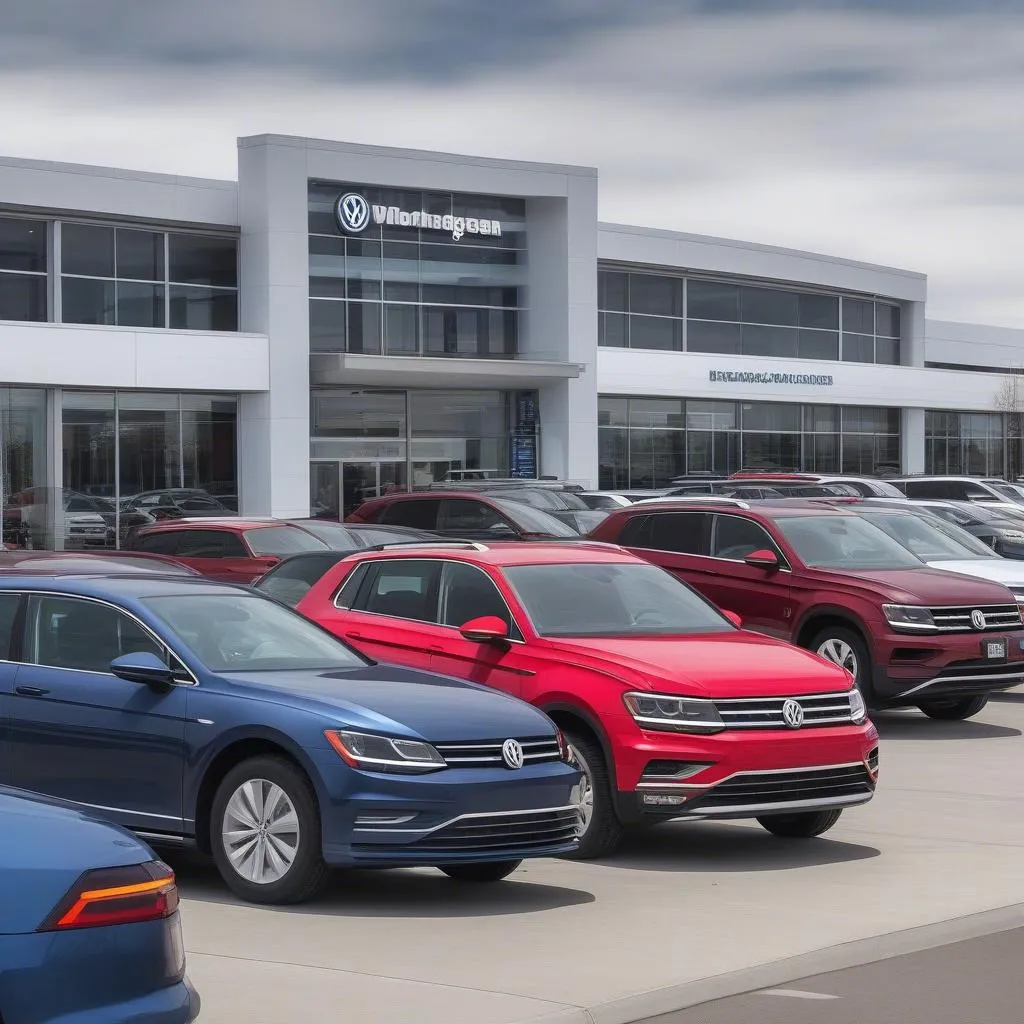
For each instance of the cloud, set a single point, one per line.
(889, 132)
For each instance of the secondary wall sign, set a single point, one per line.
(740, 377)
(354, 215)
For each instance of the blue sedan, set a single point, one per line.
(89, 928)
(206, 715)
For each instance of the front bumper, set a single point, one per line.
(456, 816)
(945, 666)
(747, 773)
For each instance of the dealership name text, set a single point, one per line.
(737, 377)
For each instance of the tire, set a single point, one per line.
(290, 860)
(843, 646)
(602, 831)
(495, 871)
(799, 826)
(954, 710)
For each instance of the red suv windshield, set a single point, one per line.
(594, 599)
(844, 542)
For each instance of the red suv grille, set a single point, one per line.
(753, 791)
(766, 712)
(958, 619)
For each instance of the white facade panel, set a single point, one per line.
(973, 345)
(83, 356)
(109, 191)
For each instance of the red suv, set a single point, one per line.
(827, 579)
(230, 550)
(671, 709)
(464, 515)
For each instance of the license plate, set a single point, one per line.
(995, 649)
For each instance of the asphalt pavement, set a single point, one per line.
(980, 981)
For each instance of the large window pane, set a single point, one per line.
(203, 309)
(769, 341)
(22, 244)
(887, 320)
(612, 412)
(86, 249)
(89, 469)
(655, 332)
(711, 415)
(818, 345)
(401, 330)
(702, 336)
(88, 301)
(771, 416)
(613, 458)
(364, 327)
(140, 254)
(656, 412)
(27, 500)
(771, 451)
(140, 305)
(769, 306)
(22, 297)
(613, 291)
(209, 444)
(887, 351)
(858, 348)
(819, 311)
(859, 316)
(613, 330)
(660, 296)
(460, 414)
(150, 445)
(203, 259)
(711, 300)
(358, 413)
(327, 326)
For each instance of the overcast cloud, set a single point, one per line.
(883, 130)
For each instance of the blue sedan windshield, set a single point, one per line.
(236, 632)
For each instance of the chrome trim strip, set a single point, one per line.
(466, 817)
(769, 771)
(809, 723)
(1011, 678)
(836, 694)
(782, 808)
(124, 810)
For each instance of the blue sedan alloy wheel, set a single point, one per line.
(265, 832)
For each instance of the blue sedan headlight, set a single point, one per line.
(375, 753)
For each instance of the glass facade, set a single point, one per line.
(370, 442)
(971, 443)
(646, 442)
(125, 452)
(23, 466)
(407, 289)
(675, 313)
(124, 276)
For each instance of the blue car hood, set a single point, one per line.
(45, 845)
(403, 701)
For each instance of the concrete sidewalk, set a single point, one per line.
(685, 913)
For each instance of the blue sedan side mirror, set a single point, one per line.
(142, 667)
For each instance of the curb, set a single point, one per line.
(857, 953)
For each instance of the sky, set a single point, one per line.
(890, 131)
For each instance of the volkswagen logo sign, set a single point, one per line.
(978, 619)
(793, 714)
(512, 754)
(353, 213)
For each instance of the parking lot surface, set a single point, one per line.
(977, 980)
(641, 933)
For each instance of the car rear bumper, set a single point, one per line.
(460, 815)
(748, 774)
(917, 668)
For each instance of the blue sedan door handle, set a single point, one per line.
(31, 691)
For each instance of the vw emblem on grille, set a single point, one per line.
(353, 213)
(793, 714)
(978, 619)
(512, 754)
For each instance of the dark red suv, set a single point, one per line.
(828, 580)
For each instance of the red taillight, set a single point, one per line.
(140, 892)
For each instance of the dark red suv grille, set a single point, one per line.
(957, 619)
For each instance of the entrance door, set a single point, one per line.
(361, 481)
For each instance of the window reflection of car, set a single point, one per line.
(211, 717)
(176, 503)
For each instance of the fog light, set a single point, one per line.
(662, 800)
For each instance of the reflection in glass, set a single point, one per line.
(22, 297)
(22, 244)
(149, 434)
(26, 499)
(204, 309)
(140, 254)
(88, 301)
(203, 259)
(140, 305)
(86, 249)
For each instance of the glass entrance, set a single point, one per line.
(338, 487)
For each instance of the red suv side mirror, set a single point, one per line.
(735, 619)
(763, 559)
(486, 629)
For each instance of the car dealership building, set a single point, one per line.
(344, 320)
